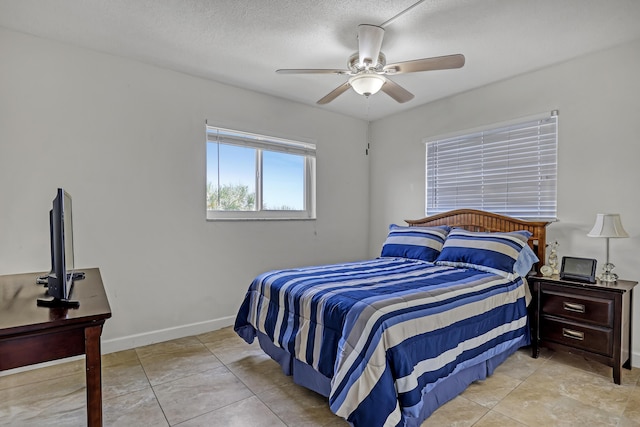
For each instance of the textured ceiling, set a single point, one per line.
(243, 42)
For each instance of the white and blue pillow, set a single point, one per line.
(493, 252)
(423, 243)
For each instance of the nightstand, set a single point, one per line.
(593, 320)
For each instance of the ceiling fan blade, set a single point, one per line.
(369, 44)
(426, 64)
(396, 91)
(311, 71)
(334, 93)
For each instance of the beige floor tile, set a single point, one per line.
(168, 348)
(71, 418)
(626, 422)
(42, 374)
(122, 378)
(536, 404)
(458, 412)
(218, 335)
(250, 412)
(259, 373)
(586, 387)
(175, 359)
(492, 390)
(521, 365)
(632, 410)
(195, 395)
(297, 406)
(139, 408)
(59, 402)
(216, 379)
(228, 346)
(628, 377)
(120, 357)
(495, 419)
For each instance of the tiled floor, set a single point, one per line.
(216, 379)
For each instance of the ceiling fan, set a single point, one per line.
(368, 68)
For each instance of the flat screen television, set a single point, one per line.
(60, 279)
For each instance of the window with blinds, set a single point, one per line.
(252, 176)
(509, 169)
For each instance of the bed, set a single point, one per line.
(391, 339)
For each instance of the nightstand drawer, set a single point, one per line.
(598, 311)
(595, 339)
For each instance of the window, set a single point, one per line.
(509, 169)
(253, 176)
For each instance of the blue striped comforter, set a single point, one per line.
(385, 330)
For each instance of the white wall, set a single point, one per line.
(598, 97)
(127, 141)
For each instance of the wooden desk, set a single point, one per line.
(30, 334)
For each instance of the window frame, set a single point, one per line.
(493, 143)
(263, 143)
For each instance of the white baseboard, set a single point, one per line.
(146, 338)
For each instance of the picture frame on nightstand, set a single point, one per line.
(578, 269)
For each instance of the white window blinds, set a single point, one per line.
(245, 139)
(509, 169)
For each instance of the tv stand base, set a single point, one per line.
(56, 302)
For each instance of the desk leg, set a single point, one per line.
(93, 375)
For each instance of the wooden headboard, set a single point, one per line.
(475, 220)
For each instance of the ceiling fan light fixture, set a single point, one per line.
(368, 68)
(367, 83)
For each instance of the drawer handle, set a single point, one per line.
(570, 306)
(575, 335)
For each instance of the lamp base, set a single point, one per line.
(607, 275)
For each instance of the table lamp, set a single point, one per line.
(608, 226)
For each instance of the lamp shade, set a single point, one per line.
(608, 225)
(367, 83)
